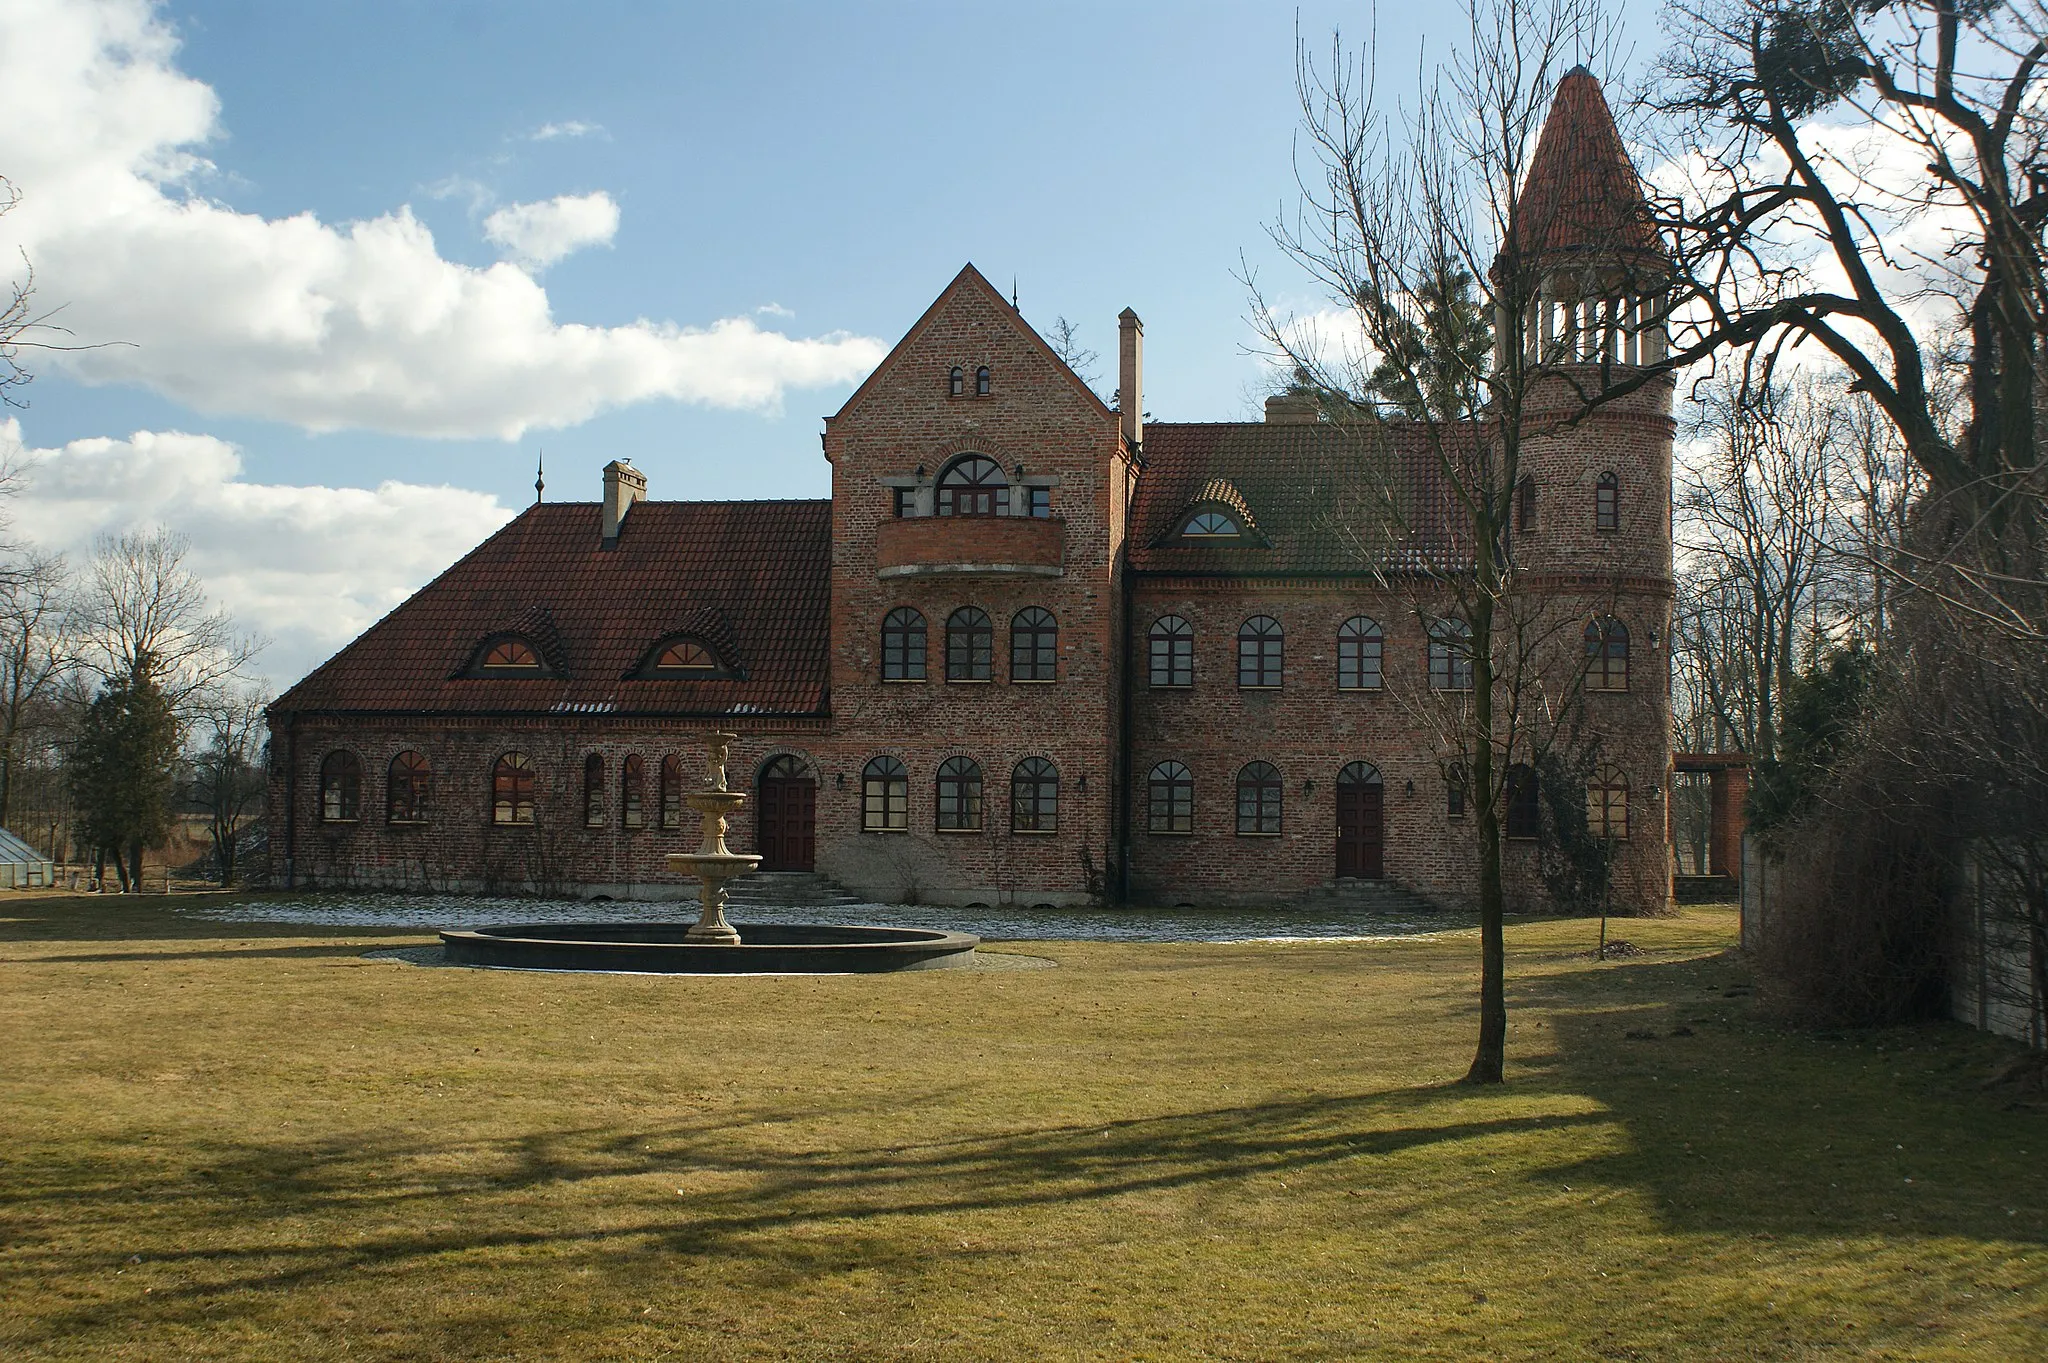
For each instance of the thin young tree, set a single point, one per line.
(38, 649)
(228, 769)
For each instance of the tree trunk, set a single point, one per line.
(1490, 1060)
(135, 864)
(99, 869)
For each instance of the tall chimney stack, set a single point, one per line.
(623, 486)
(1130, 376)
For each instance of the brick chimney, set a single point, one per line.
(623, 486)
(1293, 409)
(1130, 376)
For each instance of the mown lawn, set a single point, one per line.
(252, 1143)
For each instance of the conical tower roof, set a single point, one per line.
(1582, 193)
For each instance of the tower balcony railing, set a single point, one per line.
(986, 546)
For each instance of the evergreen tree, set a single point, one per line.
(123, 770)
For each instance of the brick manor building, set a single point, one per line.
(1033, 649)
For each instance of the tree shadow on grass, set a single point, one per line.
(1742, 1125)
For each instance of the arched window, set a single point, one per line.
(1035, 797)
(1034, 645)
(1606, 655)
(509, 655)
(593, 791)
(683, 658)
(884, 797)
(959, 795)
(1211, 525)
(1172, 642)
(1258, 798)
(956, 382)
(407, 787)
(1607, 803)
(981, 382)
(974, 485)
(632, 792)
(903, 645)
(1607, 503)
(970, 645)
(1525, 503)
(1171, 807)
(512, 789)
(1359, 645)
(1259, 652)
(1525, 803)
(341, 787)
(1450, 655)
(671, 791)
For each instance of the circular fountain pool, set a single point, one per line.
(663, 948)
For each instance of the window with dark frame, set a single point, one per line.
(341, 787)
(1525, 503)
(1172, 643)
(1450, 655)
(1606, 655)
(593, 791)
(671, 790)
(1259, 653)
(1034, 645)
(1360, 650)
(1455, 783)
(1211, 525)
(1035, 797)
(973, 485)
(1041, 502)
(1525, 803)
(1170, 804)
(905, 500)
(981, 384)
(884, 797)
(512, 789)
(510, 655)
(956, 382)
(903, 645)
(1607, 503)
(970, 645)
(408, 788)
(959, 795)
(632, 792)
(1607, 803)
(1258, 798)
(684, 658)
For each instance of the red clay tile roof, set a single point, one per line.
(1328, 500)
(750, 578)
(1581, 191)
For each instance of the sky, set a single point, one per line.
(338, 275)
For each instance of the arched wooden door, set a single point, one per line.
(1361, 823)
(788, 811)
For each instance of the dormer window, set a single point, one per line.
(509, 657)
(683, 659)
(956, 382)
(1211, 525)
(981, 382)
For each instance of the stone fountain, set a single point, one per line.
(713, 863)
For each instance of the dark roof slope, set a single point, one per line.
(1581, 192)
(751, 578)
(1328, 499)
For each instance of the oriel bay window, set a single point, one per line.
(1259, 655)
(1170, 807)
(407, 786)
(1172, 642)
(884, 797)
(903, 641)
(512, 789)
(1034, 645)
(970, 645)
(341, 787)
(959, 795)
(1359, 646)
(1258, 799)
(1035, 797)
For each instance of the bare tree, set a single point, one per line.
(228, 769)
(1065, 339)
(38, 649)
(140, 610)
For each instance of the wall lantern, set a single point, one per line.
(1081, 781)
(839, 779)
(1410, 788)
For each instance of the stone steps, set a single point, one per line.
(785, 889)
(1370, 896)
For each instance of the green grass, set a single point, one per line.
(250, 1143)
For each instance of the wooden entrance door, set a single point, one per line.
(1361, 823)
(788, 808)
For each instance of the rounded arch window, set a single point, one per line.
(1607, 803)
(981, 382)
(1259, 652)
(1360, 646)
(671, 791)
(956, 381)
(1258, 798)
(1172, 644)
(684, 658)
(593, 791)
(973, 485)
(1607, 502)
(959, 795)
(1170, 803)
(903, 645)
(1606, 655)
(884, 797)
(407, 787)
(970, 645)
(1356, 774)
(509, 655)
(1211, 525)
(341, 787)
(786, 767)
(1450, 655)
(512, 789)
(633, 792)
(1034, 645)
(1035, 797)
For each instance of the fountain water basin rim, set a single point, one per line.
(661, 948)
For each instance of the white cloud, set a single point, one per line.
(539, 234)
(359, 324)
(573, 127)
(312, 567)
(774, 310)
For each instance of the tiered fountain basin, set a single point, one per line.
(665, 949)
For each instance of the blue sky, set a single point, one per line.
(813, 173)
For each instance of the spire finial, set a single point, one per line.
(540, 477)
(1013, 293)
